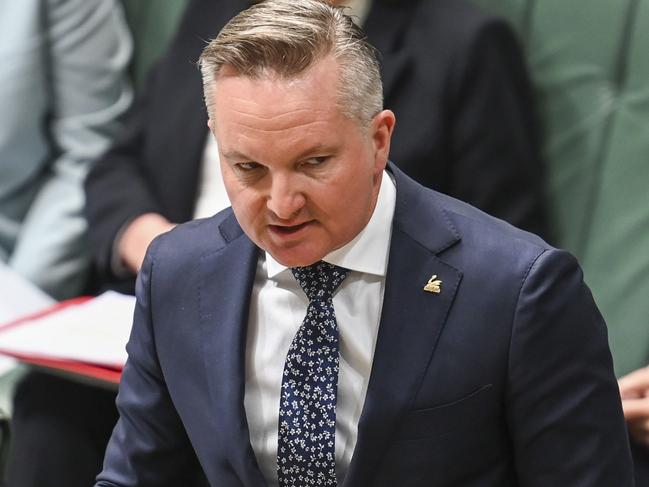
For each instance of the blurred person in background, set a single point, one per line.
(63, 89)
(634, 389)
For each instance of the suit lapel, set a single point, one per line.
(411, 322)
(224, 301)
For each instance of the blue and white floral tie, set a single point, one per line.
(307, 408)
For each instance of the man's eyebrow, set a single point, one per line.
(316, 149)
(235, 155)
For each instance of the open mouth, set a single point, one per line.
(289, 229)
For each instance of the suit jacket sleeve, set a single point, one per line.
(495, 151)
(564, 408)
(89, 50)
(149, 445)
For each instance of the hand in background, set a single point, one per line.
(634, 389)
(137, 237)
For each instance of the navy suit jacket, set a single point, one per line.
(502, 379)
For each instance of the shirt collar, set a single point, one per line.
(368, 251)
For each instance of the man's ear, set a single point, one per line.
(381, 129)
(210, 124)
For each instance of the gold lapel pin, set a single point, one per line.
(433, 285)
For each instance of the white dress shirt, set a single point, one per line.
(212, 196)
(277, 308)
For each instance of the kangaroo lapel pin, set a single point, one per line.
(433, 285)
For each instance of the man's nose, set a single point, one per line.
(286, 198)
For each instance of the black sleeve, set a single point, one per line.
(117, 190)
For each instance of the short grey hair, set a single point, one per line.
(285, 38)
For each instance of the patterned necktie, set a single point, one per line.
(307, 408)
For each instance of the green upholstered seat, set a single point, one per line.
(590, 71)
(153, 24)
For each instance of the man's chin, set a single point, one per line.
(295, 257)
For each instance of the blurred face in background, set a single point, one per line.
(302, 177)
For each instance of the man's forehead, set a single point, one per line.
(325, 69)
(270, 95)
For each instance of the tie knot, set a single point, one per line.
(319, 281)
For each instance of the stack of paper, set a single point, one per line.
(85, 336)
(19, 297)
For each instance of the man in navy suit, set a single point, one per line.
(467, 352)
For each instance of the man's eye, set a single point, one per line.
(315, 161)
(247, 166)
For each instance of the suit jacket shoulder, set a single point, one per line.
(512, 350)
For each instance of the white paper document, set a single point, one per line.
(93, 332)
(18, 297)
